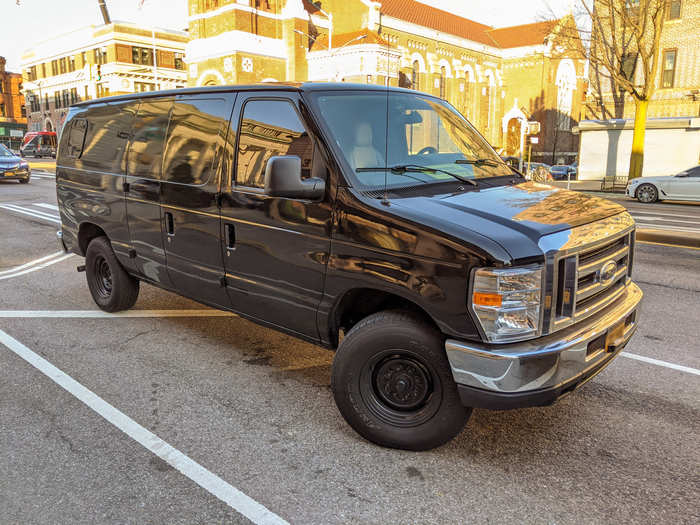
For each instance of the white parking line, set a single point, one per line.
(656, 213)
(36, 267)
(666, 364)
(234, 498)
(31, 263)
(46, 205)
(662, 219)
(99, 314)
(31, 213)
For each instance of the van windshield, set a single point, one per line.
(409, 139)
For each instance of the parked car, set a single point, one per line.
(563, 172)
(13, 167)
(684, 186)
(373, 221)
(39, 144)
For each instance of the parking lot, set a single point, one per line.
(175, 413)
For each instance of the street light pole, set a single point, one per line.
(329, 16)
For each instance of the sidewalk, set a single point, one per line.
(657, 235)
(589, 186)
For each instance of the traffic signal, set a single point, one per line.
(99, 72)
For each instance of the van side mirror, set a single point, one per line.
(283, 179)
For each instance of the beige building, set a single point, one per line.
(499, 78)
(678, 81)
(98, 61)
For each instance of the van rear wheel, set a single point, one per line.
(111, 287)
(392, 383)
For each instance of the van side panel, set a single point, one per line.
(90, 174)
(377, 251)
(190, 186)
(143, 178)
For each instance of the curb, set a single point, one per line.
(680, 239)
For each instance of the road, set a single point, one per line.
(253, 410)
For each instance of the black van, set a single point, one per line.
(373, 221)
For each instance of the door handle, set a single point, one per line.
(230, 237)
(169, 223)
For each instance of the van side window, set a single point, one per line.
(195, 134)
(107, 134)
(147, 138)
(76, 138)
(270, 128)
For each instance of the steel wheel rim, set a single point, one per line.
(400, 388)
(103, 277)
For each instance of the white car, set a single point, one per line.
(684, 186)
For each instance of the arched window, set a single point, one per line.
(443, 73)
(415, 79)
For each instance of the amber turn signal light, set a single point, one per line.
(487, 299)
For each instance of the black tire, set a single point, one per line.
(647, 193)
(111, 287)
(392, 383)
(24, 181)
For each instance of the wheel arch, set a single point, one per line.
(86, 233)
(357, 303)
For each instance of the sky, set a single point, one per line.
(36, 20)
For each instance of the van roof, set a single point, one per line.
(264, 86)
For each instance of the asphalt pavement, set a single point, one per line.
(175, 413)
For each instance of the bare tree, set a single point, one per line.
(621, 42)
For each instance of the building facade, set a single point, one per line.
(498, 78)
(13, 118)
(677, 83)
(98, 61)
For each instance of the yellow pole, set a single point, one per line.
(637, 156)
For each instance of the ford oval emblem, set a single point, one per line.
(607, 272)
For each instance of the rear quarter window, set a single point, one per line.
(108, 128)
(76, 138)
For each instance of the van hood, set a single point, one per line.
(515, 217)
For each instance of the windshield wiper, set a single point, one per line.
(416, 168)
(478, 162)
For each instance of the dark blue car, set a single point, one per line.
(562, 172)
(12, 167)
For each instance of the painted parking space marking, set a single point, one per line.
(202, 312)
(32, 212)
(656, 213)
(46, 205)
(36, 265)
(234, 498)
(99, 314)
(31, 263)
(658, 362)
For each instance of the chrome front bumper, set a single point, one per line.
(539, 371)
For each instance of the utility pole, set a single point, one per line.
(103, 10)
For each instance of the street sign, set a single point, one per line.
(534, 140)
(533, 127)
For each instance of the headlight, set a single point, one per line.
(507, 302)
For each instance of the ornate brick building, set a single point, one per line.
(678, 81)
(13, 119)
(98, 61)
(498, 78)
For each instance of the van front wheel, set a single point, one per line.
(392, 383)
(111, 287)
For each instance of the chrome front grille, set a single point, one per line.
(588, 276)
(589, 280)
